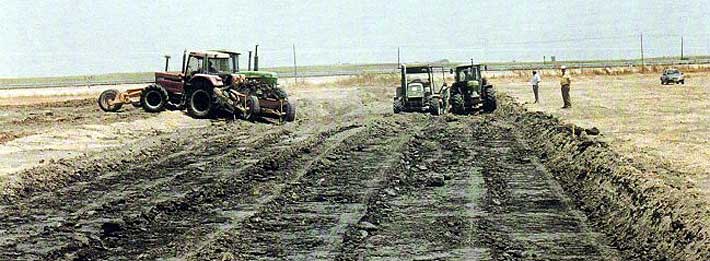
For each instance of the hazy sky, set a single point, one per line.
(83, 37)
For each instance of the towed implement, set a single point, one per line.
(253, 94)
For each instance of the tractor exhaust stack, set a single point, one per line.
(167, 61)
(249, 63)
(256, 58)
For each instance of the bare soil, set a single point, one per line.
(348, 180)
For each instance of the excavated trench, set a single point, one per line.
(363, 184)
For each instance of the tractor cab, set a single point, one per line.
(471, 90)
(418, 82)
(467, 79)
(216, 67)
(419, 90)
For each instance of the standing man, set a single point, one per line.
(565, 82)
(535, 82)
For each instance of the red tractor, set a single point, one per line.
(209, 81)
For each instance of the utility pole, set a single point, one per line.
(681, 48)
(295, 67)
(643, 65)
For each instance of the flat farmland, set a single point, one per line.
(664, 125)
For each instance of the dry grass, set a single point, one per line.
(658, 124)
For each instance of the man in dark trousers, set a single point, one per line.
(535, 82)
(565, 82)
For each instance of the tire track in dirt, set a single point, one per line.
(246, 208)
(529, 215)
(470, 191)
(429, 208)
(73, 218)
(226, 202)
(308, 219)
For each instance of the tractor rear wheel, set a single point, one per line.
(154, 98)
(457, 104)
(253, 109)
(200, 103)
(489, 101)
(107, 96)
(290, 112)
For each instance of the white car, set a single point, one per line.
(672, 75)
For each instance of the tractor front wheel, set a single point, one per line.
(200, 103)
(108, 101)
(489, 101)
(154, 98)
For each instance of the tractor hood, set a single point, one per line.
(268, 77)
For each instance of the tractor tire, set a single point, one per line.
(290, 112)
(663, 82)
(105, 97)
(397, 106)
(457, 104)
(489, 101)
(682, 82)
(435, 108)
(253, 109)
(154, 98)
(200, 103)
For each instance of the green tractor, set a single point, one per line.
(471, 91)
(419, 91)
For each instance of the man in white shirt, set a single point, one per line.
(535, 81)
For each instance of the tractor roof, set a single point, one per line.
(420, 68)
(467, 65)
(226, 51)
(417, 65)
(209, 54)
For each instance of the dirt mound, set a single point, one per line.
(655, 216)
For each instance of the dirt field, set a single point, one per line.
(348, 180)
(658, 124)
